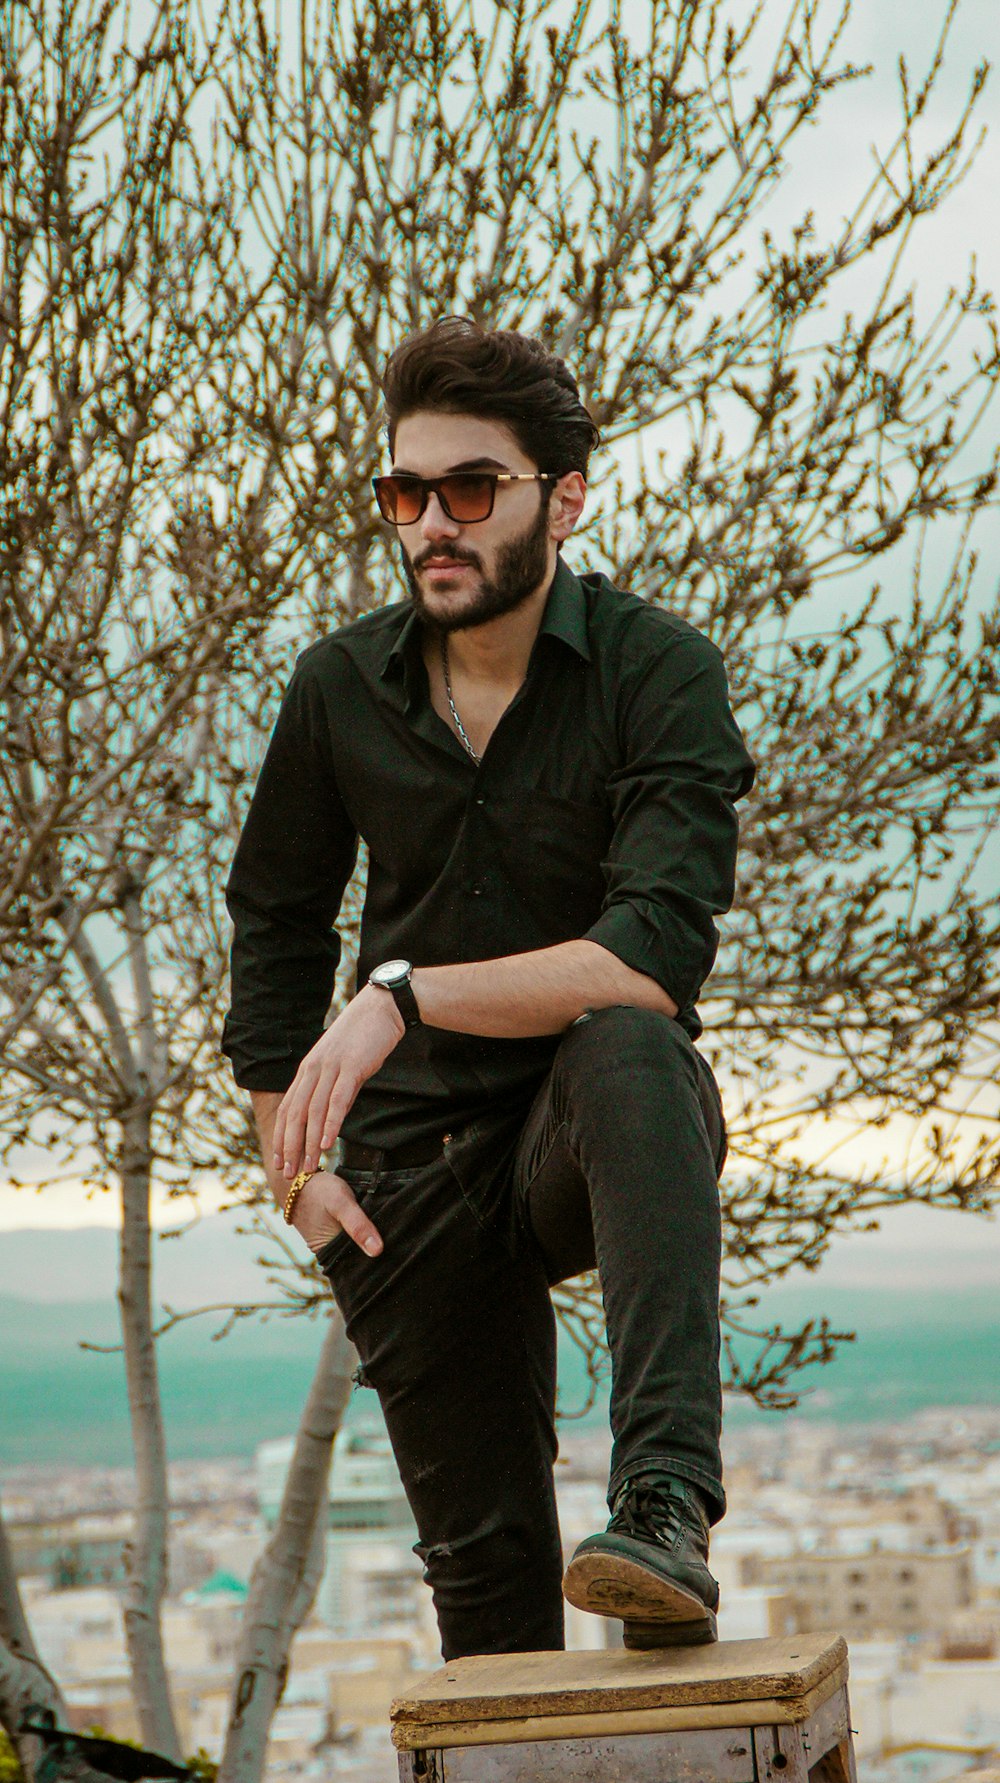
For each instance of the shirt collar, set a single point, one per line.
(400, 653)
(565, 617)
(565, 613)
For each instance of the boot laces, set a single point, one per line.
(648, 1510)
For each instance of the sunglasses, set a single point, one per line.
(465, 496)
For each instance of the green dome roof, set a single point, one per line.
(222, 1582)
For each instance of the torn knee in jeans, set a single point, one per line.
(493, 1549)
(429, 1552)
(489, 1550)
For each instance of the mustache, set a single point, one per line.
(423, 558)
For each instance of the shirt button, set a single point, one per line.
(480, 800)
(477, 890)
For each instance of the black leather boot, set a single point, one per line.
(649, 1566)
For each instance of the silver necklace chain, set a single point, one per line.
(459, 726)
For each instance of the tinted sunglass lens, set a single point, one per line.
(400, 499)
(467, 496)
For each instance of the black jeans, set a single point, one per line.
(617, 1163)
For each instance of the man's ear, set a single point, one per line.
(566, 504)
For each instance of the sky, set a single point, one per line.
(827, 175)
(862, 114)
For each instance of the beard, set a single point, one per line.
(521, 565)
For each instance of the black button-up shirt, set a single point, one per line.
(603, 808)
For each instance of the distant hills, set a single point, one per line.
(917, 1346)
(207, 1260)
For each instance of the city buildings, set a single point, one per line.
(890, 1534)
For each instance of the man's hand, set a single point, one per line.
(325, 1207)
(312, 1111)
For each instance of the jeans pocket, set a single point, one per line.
(480, 1160)
(372, 1189)
(331, 1249)
(362, 1184)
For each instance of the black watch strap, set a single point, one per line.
(406, 1002)
(394, 976)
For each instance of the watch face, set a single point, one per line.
(392, 972)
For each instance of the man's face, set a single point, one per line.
(464, 573)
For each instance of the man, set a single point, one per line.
(544, 771)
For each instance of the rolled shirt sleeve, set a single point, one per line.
(671, 865)
(295, 856)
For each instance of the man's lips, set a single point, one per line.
(443, 566)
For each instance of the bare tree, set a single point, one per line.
(289, 1571)
(78, 400)
(134, 581)
(805, 489)
(119, 619)
(27, 1689)
(211, 239)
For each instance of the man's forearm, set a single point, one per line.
(265, 1105)
(526, 994)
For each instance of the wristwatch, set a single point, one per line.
(394, 976)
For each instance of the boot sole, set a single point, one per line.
(656, 1611)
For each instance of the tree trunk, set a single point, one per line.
(25, 1685)
(28, 1692)
(288, 1572)
(146, 1554)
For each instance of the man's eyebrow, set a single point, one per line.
(467, 464)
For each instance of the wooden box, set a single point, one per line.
(769, 1711)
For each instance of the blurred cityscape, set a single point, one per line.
(889, 1534)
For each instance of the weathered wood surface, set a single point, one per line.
(828, 1743)
(780, 1755)
(767, 1711)
(516, 1686)
(831, 1724)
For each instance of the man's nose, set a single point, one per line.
(434, 522)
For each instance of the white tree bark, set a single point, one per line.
(27, 1689)
(146, 1553)
(288, 1572)
(24, 1690)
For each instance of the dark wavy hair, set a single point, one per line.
(459, 368)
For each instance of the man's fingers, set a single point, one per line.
(328, 1206)
(339, 1105)
(311, 1113)
(310, 1117)
(359, 1227)
(288, 1155)
(315, 1116)
(283, 1136)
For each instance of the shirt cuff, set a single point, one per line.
(655, 942)
(256, 1069)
